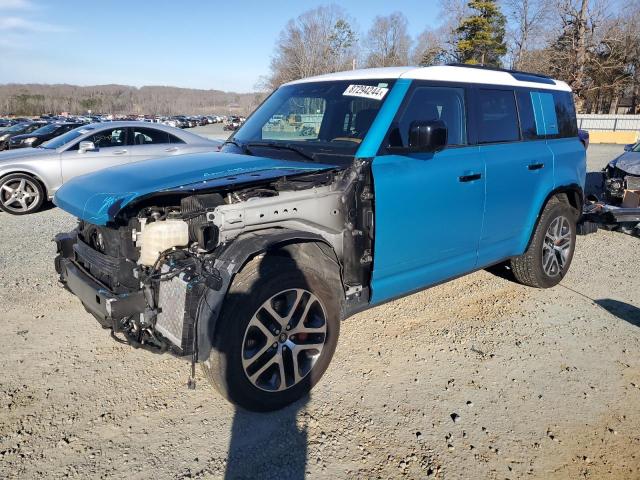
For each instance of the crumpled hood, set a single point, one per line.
(628, 162)
(11, 156)
(98, 197)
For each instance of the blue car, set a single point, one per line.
(339, 193)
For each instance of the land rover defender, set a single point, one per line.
(339, 193)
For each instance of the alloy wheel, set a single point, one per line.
(284, 340)
(19, 194)
(556, 246)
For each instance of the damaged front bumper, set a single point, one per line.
(609, 217)
(106, 306)
(160, 315)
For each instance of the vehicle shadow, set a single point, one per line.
(622, 310)
(266, 445)
(46, 206)
(502, 270)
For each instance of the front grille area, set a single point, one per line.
(115, 273)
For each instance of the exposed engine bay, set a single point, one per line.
(158, 275)
(616, 181)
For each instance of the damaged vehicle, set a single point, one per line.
(246, 260)
(622, 173)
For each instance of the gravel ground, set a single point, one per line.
(476, 378)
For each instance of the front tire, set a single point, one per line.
(20, 194)
(549, 255)
(276, 334)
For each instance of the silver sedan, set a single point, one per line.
(30, 176)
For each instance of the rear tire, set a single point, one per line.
(276, 310)
(549, 255)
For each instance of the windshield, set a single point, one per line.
(46, 129)
(314, 119)
(18, 127)
(66, 138)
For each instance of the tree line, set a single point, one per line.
(38, 99)
(593, 45)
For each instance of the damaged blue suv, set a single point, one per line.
(339, 193)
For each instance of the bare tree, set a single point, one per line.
(432, 47)
(452, 13)
(528, 20)
(318, 41)
(388, 41)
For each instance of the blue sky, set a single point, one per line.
(223, 45)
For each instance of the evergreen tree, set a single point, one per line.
(481, 35)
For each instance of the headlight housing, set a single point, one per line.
(29, 140)
(4, 137)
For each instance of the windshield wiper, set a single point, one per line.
(284, 146)
(241, 146)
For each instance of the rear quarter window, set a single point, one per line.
(566, 114)
(527, 116)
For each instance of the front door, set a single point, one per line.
(110, 150)
(147, 143)
(428, 206)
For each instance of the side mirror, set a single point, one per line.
(427, 136)
(86, 147)
(628, 148)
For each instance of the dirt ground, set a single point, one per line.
(477, 378)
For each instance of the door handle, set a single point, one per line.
(470, 178)
(535, 166)
(171, 149)
(119, 152)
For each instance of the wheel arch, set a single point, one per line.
(573, 194)
(29, 173)
(296, 244)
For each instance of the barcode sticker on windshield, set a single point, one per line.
(366, 91)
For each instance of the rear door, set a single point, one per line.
(428, 206)
(519, 167)
(110, 150)
(147, 143)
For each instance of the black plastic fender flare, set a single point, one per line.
(229, 262)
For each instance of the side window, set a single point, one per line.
(148, 136)
(527, 116)
(566, 114)
(432, 103)
(174, 139)
(108, 138)
(498, 120)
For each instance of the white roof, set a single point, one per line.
(442, 73)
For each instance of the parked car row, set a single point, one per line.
(23, 132)
(234, 123)
(30, 176)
